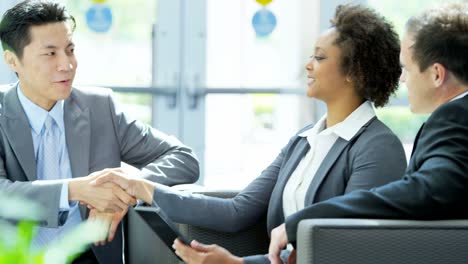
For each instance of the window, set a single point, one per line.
(122, 56)
(245, 132)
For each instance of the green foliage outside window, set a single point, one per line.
(401, 121)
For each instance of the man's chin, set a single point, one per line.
(63, 92)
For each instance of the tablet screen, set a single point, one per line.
(161, 225)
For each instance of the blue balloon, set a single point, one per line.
(263, 22)
(99, 18)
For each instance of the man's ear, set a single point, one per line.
(11, 60)
(438, 74)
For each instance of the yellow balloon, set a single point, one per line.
(98, 1)
(264, 2)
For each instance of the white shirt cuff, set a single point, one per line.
(64, 204)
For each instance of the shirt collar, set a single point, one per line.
(37, 115)
(347, 128)
(319, 126)
(460, 96)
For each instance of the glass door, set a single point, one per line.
(241, 95)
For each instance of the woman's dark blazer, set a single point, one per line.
(373, 157)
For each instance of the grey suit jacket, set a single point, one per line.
(98, 136)
(373, 157)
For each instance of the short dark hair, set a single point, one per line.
(441, 36)
(370, 51)
(16, 22)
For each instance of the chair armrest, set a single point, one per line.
(366, 241)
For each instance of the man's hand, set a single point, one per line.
(108, 197)
(110, 223)
(279, 240)
(207, 254)
(137, 187)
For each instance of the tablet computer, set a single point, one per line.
(161, 225)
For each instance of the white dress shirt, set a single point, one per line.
(321, 141)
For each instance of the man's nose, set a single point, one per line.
(65, 63)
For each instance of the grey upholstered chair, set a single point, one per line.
(365, 241)
(323, 241)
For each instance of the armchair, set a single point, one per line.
(365, 241)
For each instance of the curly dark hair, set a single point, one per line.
(370, 52)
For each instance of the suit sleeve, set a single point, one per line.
(227, 215)
(436, 189)
(162, 158)
(44, 194)
(378, 160)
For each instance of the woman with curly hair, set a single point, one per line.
(355, 66)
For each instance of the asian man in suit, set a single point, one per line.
(53, 137)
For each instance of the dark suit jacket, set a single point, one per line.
(373, 157)
(98, 136)
(435, 185)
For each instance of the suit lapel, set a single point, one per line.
(416, 139)
(77, 133)
(17, 130)
(323, 169)
(295, 156)
(328, 162)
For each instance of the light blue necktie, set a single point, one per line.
(48, 158)
(48, 168)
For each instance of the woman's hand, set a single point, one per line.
(198, 253)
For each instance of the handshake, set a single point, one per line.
(108, 194)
